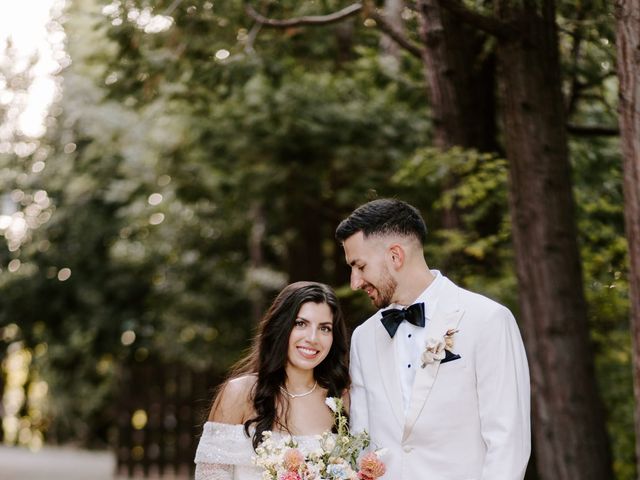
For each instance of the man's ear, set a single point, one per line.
(397, 255)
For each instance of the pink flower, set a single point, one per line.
(290, 476)
(293, 458)
(371, 467)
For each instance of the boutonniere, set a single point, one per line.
(435, 350)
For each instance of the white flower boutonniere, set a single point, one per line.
(434, 350)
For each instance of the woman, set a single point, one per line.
(298, 359)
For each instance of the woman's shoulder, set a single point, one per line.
(234, 404)
(241, 386)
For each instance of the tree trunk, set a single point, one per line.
(461, 83)
(628, 45)
(460, 80)
(568, 421)
(305, 223)
(256, 257)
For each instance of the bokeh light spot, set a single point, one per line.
(155, 199)
(156, 218)
(14, 265)
(139, 419)
(222, 54)
(128, 337)
(64, 274)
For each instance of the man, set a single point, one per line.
(448, 396)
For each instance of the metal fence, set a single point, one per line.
(160, 414)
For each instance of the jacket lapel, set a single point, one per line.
(447, 317)
(388, 372)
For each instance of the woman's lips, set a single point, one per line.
(308, 352)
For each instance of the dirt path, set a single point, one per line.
(52, 463)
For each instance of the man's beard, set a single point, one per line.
(386, 289)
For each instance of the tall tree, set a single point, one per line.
(569, 426)
(628, 46)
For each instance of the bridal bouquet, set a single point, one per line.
(336, 458)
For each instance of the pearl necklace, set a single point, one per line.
(298, 395)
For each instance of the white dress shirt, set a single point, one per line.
(409, 340)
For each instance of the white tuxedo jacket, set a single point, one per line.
(468, 419)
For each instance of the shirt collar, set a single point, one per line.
(429, 295)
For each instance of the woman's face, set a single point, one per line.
(311, 337)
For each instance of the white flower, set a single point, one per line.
(331, 403)
(329, 443)
(434, 349)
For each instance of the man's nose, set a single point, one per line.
(356, 280)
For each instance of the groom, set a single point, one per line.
(439, 374)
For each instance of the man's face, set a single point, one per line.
(369, 270)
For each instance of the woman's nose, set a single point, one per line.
(311, 335)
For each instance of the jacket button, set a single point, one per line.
(407, 449)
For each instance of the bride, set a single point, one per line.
(298, 359)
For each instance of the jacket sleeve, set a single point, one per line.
(503, 390)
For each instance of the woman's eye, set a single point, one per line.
(299, 323)
(326, 329)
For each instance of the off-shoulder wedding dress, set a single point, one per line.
(225, 453)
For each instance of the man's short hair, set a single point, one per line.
(384, 216)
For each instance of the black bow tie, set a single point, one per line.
(393, 317)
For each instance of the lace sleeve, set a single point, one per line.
(222, 447)
(213, 471)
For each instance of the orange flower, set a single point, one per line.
(371, 467)
(290, 476)
(293, 458)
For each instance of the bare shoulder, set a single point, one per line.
(233, 404)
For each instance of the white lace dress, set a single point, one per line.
(225, 453)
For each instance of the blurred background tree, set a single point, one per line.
(197, 161)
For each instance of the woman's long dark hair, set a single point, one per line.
(269, 353)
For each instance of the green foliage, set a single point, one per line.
(598, 180)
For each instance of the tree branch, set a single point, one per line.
(307, 20)
(381, 22)
(251, 37)
(485, 23)
(388, 29)
(172, 7)
(593, 130)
